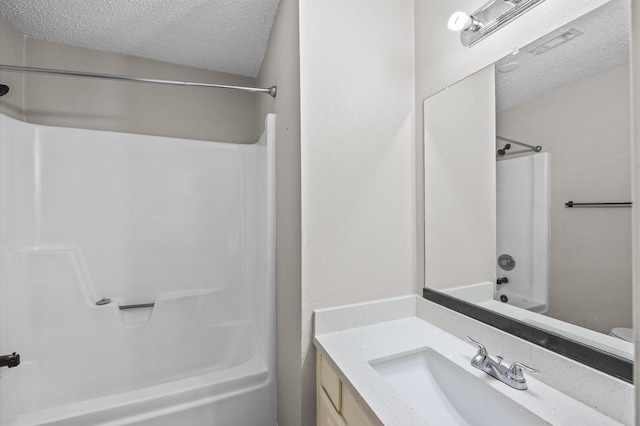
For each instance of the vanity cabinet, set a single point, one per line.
(327, 413)
(336, 405)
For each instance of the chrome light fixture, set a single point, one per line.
(493, 15)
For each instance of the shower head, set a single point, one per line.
(4, 89)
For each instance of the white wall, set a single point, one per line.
(460, 202)
(358, 224)
(441, 61)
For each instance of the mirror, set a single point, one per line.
(576, 108)
(563, 259)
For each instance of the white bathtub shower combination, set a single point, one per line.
(186, 225)
(522, 221)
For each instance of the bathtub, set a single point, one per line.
(235, 392)
(187, 226)
(523, 302)
(185, 360)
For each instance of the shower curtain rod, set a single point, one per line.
(13, 68)
(503, 151)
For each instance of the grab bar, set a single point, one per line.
(138, 305)
(572, 204)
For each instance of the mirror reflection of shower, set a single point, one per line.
(575, 107)
(522, 197)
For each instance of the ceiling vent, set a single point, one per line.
(558, 40)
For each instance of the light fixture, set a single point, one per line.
(460, 21)
(493, 15)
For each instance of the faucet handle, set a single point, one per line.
(481, 349)
(515, 371)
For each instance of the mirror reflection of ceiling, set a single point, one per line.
(603, 45)
(221, 35)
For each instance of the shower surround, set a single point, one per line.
(522, 218)
(186, 225)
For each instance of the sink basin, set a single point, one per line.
(445, 394)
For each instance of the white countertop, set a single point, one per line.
(351, 350)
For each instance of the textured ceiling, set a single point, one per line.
(603, 46)
(222, 35)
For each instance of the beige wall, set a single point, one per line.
(358, 224)
(184, 112)
(586, 128)
(281, 66)
(441, 61)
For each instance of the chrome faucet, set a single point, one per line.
(511, 375)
